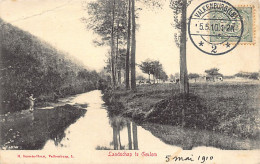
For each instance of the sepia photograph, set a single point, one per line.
(129, 81)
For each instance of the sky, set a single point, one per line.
(58, 23)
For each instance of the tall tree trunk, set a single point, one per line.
(133, 48)
(128, 46)
(115, 141)
(135, 136)
(119, 76)
(129, 135)
(119, 139)
(117, 52)
(112, 46)
(184, 85)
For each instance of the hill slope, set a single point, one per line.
(31, 66)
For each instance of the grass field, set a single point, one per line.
(225, 108)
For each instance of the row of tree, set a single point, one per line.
(249, 75)
(214, 72)
(153, 67)
(115, 23)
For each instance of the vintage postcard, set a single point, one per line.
(129, 81)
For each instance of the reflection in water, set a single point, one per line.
(97, 129)
(129, 135)
(100, 131)
(135, 136)
(118, 124)
(57, 140)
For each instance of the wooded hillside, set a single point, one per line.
(29, 65)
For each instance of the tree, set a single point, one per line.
(121, 26)
(121, 63)
(129, 135)
(156, 69)
(108, 20)
(254, 75)
(133, 42)
(150, 67)
(213, 72)
(133, 48)
(194, 76)
(184, 85)
(249, 75)
(128, 45)
(132, 16)
(163, 76)
(180, 8)
(112, 45)
(153, 67)
(146, 67)
(140, 77)
(135, 139)
(50, 74)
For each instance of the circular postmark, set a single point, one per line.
(215, 27)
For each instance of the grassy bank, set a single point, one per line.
(230, 109)
(30, 131)
(188, 138)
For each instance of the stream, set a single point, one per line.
(97, 131)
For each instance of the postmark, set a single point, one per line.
(214, 25)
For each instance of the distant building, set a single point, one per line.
(214, 78)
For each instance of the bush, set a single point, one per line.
(169, 111)
(254, 76)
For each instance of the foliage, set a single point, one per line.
(153, 4)
(140, 77)
(176, 6)
(193, 76)
(162, 76)
(146, 67)
(192, 105)
(254, 75)
(213, 72)
(114, 22)
(29, 65)
(108, 19)
(153, 67)
(100, 20)
(249, 75)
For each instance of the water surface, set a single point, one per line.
(97, 131)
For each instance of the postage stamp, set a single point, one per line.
(247, 13)
(214, 25)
